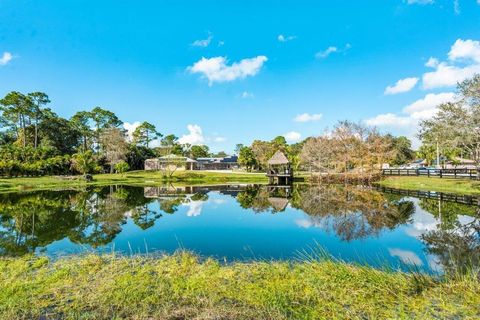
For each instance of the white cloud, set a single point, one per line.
(194, 137)
(219, 139)
(283, 38)
(464, 62)
(420, 1)
(203, 42)
(6, 57)
(247, 95)
(448, 75)
(194, 208)
(389, 120)
(465, 49)
(432, 62)
(218, 201)
(304, 223)
(325, 53)
(217, 70)
(402, 85)
(407, 257)
(421, 109)
(306, 117)
(130, 127)
(292, 136)
(426, 107)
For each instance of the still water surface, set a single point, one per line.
(229, 223)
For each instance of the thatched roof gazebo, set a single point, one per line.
(278, 158)
(279, 170)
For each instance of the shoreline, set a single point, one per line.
(133, 178)
(185, 178)
(445, 185)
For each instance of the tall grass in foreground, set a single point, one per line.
(181, 286)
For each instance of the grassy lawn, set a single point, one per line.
(130, 178)
(181, 287)
(433, 184)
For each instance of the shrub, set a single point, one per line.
(122, 167)
(84, 162)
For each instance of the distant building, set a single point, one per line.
(184, 163)
(170, 162)
(226, 163)
(418, 163)
(460, 163)
(455, 163)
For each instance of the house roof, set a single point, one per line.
(420, 161)
(172, 157)
(464, 161)
(229, 159)
(278, 158)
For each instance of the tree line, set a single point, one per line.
(34, 140)
(347, 147)
(454, 131)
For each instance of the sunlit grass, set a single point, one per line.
(447, 185)
(182, 287)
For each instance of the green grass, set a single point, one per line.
(130, 178)
(433, 184)
(181, 287)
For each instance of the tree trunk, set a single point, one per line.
(36, 132)
(475, 154)
(146, 135)
(24, 132)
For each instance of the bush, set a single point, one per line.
(17, 161)
(122, 167)
(85, 162)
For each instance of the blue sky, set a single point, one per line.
(227, 72)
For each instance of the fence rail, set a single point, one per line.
(439, 173)
(463, 199)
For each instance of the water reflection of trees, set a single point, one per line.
(456, 240)
(447, 213)
(255, 198)
(92, 217)
(351, 212)
(457, 249)
(34, 220)
(96, 216)
(354, 212)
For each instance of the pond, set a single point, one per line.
(245, 222)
